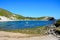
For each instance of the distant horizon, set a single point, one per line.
(32, 8)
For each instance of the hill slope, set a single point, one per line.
(6, 15)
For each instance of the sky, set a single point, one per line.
(32, 8)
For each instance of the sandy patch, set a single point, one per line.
(18, 36)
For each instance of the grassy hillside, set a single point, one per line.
(8, 14)
(5, 13)
(11, 15)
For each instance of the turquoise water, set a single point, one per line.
(10, 25)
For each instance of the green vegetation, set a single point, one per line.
(19, 16)
(8, 14)
(57, 24)
(0, 18)
(5, 13)
(37, 30)
(33, 18)
(58, 21)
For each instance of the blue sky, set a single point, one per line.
(33, 8)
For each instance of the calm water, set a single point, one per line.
(23, 24)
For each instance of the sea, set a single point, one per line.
(12, 25)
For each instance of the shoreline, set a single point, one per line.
(19, 36)
(16, 35)
(21, 20)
